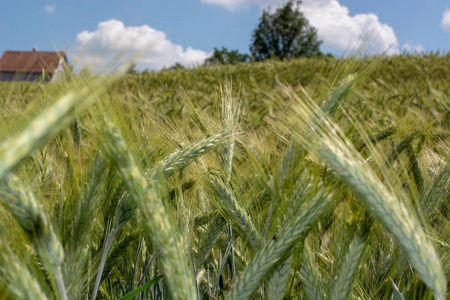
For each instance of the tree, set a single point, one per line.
(284, 34)
(177, 66)
(132, 69)
(225, 57)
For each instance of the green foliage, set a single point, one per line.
(132, 69)
(284, 33)
(315, 178)
(226, 57)
(142, 288)
(176, 66)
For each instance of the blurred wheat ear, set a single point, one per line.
(49, 122)
(324, 139)
(36, 225)
(147, 196)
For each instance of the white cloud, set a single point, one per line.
(232, 4)
(413, 48)
(336, 27)
(339, 30)
(445, 22)
(113, 43)
(50, 8)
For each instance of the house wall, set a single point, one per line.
(10, 76)
(60, 72)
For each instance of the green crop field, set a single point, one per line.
(316, 178)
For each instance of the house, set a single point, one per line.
(28, 65)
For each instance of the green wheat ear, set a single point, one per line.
(21, 284)
(235, 214)
(342, 286)
(49, 122)
(279, 281)
(310, 276)
(147, 196)
(182, 158)
(34, 221)
(312, 202)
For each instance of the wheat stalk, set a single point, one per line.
(235, 214)
(210, 237)
(342, 285)
(165, 168)
(21, 284)
(277, 249)
(182, 158)
(415, 168)
(277, 285)
(48, 122)
(338, 94)
(25, 208)
(310, 276)
(229, 120)
(148, 198)
(379, 136)
(404, 144)
(86, 207)
(324, 139)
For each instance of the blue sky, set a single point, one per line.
(168, 31)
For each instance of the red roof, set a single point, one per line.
(30, 61)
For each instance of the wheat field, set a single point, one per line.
(317, 178)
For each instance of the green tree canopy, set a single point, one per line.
(284, 34)
(225, 56)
